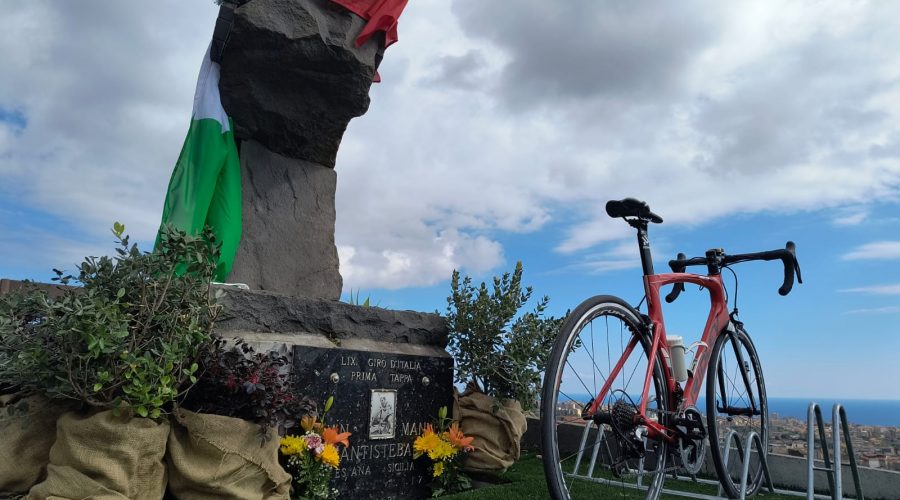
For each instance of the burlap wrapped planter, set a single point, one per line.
(215, 457)
(104, 457)
(25, 441)
(497, 429)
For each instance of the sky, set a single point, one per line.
(497, 135)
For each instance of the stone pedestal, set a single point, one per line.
(288, 212)
(387, 370)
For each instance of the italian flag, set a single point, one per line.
(205, 188)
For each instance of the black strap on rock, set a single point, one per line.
(223, 28)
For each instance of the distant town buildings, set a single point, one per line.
(875, 446)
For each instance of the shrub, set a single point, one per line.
(502, 355)
(237, 381)
(127, 338)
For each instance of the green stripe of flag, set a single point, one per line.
(205, 188)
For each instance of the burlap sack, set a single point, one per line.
(25, 441)
(497, 430)
(104, 457)
(216, 457)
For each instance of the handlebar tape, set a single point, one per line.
(789, 259)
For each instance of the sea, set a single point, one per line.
(859, 411)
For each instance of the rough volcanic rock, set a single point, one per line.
(266, 312)
(292, 76)
(288, 214)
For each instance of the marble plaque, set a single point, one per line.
(384, 399)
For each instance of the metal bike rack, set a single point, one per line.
(744, 449)
(833, 472)
(752, 439)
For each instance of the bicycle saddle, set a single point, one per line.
(630, 207)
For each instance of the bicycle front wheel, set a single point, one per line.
(736, 406)
(585, 456)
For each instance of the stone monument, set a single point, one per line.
(387, 370)
(292, 77)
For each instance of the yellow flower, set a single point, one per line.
(442, 450)
(329, 456)
(293, 445)
(427, 442)
(438, 469)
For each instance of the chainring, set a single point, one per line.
(691, 440)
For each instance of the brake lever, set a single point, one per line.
(791, 269)
(678, 287)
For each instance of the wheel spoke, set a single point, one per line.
(568, 367)
(736, 380)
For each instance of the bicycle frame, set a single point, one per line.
(716, 322)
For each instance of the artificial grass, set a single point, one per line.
(526, 482)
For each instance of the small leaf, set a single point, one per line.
(328, 403)
(120, 293)
(155, 413)
(142, 411)
(97, 387)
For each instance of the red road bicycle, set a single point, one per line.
(603, 422)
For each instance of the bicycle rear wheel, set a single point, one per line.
(583, 458)
(736, 406)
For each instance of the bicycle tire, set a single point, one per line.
(566, 345)
(718, 422)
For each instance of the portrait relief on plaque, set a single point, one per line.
(383, 414)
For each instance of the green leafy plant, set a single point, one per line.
(355, 300)
(498, 351)
(237, 381)
(127, 338)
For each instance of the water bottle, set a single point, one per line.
(676, 354)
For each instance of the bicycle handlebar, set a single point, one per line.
(787, 255)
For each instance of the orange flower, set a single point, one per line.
(459, 440)
(331, 436)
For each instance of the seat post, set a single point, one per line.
(644, 244)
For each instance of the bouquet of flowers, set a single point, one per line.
(445, 449)
(313, 457)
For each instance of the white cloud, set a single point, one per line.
(879, 250)
(106, 88)
(421, 263)
(876, 310)
(876, 289)
(851, 216)
(485, 124)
